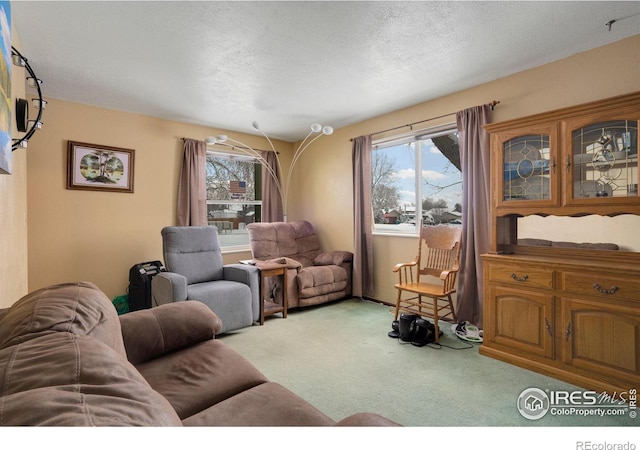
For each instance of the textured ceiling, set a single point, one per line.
(288, 64)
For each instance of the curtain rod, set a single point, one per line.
(493, 104)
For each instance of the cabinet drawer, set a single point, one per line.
(605, 286)
(521, 275)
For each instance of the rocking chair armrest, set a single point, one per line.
(448, 273)
(399, 266)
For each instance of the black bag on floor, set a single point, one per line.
(413, 328)
(139, 290)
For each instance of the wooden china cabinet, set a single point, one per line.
(569, 312)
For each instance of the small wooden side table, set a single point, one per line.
(270, 269)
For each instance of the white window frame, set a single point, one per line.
(417, 137)
(219, 153)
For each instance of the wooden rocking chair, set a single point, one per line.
(438, 256)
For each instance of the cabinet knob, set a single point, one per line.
(602, 290)
(521, 279)
(547, 325)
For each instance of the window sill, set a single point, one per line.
(390, 234)
(235, 249)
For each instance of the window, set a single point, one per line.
(233, 197)
(416, 178)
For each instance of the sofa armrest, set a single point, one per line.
(250, 276)
(336, 257)
(366, 420)
(168, 287)
(150, 333)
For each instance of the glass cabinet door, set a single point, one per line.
(527, 161)
(526, 168)
(604, 161)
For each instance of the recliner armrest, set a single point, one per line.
(150, 333)
(242, 273)
(336, 257)
(248, 275)
(168, 287)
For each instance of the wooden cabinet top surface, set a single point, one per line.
(627, 263)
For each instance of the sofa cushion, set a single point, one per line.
(78, 308)
(266, 405)
(296, 240)
(320, 280)
(228, 299)
(336, 257)
(64, 379)
(200, 376)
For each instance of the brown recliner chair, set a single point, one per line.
(315, 277)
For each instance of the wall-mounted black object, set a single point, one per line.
(23, 123)
(22, 114)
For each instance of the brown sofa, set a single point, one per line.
(316, 276)
(67, 359)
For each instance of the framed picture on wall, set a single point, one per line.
(5, 88)
(99, 167)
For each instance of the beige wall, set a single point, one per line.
(13, 240)
(13, 212)
(324, 174)
(97, 236)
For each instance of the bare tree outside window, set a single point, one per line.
(416, 179)
(220, 171)
(385, 193)
(233, 185)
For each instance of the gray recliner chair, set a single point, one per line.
(196, 271)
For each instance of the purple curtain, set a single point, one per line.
(271, 200)
(476, 214)
(192, 192)
(362, 218)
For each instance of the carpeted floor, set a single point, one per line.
(339, 358)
